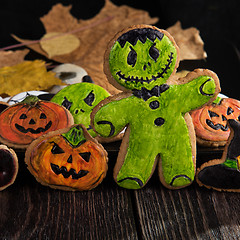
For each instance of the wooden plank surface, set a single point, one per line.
(189, 213)
(31, 211)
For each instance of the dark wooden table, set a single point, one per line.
(29, 210)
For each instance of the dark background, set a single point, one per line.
(217, 20)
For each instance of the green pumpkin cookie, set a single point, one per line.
(140, 60)
(80, 99)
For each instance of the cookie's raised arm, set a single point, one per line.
(201, 86)
(109, 117)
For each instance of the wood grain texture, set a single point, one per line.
(31, 211)
(190, 213)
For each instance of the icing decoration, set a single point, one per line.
(21, 123)
(224, 174)
(21, 96)
(210, 122)
(136, 45)
(8, 167)
(70, 74)
(139, 61)
(80, 99)
(68, 159)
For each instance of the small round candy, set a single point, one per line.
(70, 74)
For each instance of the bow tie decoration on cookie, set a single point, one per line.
(145, 94)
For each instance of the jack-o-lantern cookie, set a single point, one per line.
(80, 99)
(224, 174)
(140, 60)
(8, 167)
(210, 122)
(68, 159)
(21, 123)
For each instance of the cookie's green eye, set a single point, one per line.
(132, 57)
(154, 52)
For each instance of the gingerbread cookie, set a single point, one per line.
(140, 60)
(67, 159)
(8, 167)
(224, 174)
(21, 123)
(210, 122)
(80, 99)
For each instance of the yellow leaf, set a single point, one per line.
(26, 76)
(55, 44)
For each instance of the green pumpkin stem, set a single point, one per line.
(31, 100)
(217, 100)
(75, 136)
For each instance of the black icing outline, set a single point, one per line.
(147, 80)
(31, 130)
(66, 174)
(112, 131)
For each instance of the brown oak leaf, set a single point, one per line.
(189, 42)
(10, 58)
(94, 34)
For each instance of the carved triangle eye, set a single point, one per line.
(23, 116)
(85, 156)
(89, 99)
(212, 114)
(56, 149)
(229, 111)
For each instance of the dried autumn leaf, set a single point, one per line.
(189, 42)
(94, 35)
(55, 44)
(10, 58)
(26, 76)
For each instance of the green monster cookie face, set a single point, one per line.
(80, 99)
(142, 57)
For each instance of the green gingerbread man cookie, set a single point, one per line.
(140, 61)
(80, 99)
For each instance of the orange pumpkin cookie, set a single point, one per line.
(21, 123)
(68, 159)
(210, 122)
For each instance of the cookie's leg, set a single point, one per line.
(137, 167)
(176, 166)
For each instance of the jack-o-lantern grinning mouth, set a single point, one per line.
(216, 126)
(147, 80)
(66, 174)
(33, 131)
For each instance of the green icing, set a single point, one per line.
(75, 136)
(31, 100)
(231, 163)
(157, 126)
(77, 95)
(118, 62)
(147, 141)
(217, 100)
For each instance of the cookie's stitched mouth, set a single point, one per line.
(147, 80)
